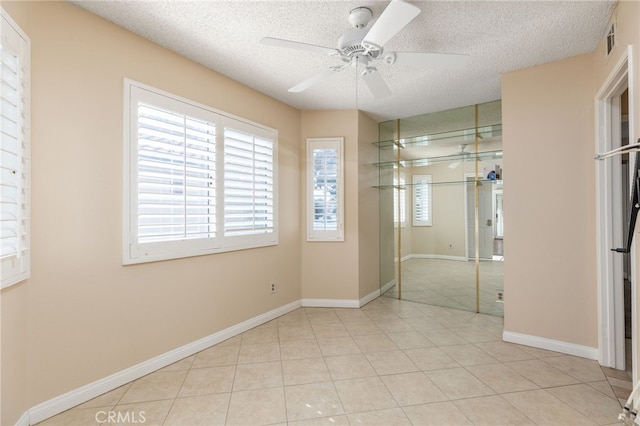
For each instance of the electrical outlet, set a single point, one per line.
(272, 287)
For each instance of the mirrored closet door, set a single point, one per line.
(441, 208)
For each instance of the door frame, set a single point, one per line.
(611, 341)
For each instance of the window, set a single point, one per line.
(196, 181)
(325, 194)
(15, 158)
(611, 38)
(399, 190)
(422, 215)
(248, 181)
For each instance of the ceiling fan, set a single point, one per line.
(361, 47)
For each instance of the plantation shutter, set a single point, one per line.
(14, 154)
(399, 197)
(422, 215)
(325, 194)
(197, 181)
(325, 174)
(176, 176)
(248, 180)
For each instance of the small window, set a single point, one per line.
(399, 200)
(422, 215)
(196, 181)
(325, 193)
(15, 160)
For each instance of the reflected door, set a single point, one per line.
(485, 219)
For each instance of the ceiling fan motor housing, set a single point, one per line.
(350, 44)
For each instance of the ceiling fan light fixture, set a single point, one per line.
(389, 58)
(369, 70)
(360, 17)
(362, 45)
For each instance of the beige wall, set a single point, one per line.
(548, 141)
(13, 353)
(82, 315)
(348, 259)
(368, 207)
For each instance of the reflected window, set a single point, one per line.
(422, 211)
(399, 200)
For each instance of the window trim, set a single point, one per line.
(17, 268)
(132, 251)
(313, 235)
(416, 179)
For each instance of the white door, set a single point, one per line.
(485, 219)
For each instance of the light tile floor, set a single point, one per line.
(389, 363)
(452, 284)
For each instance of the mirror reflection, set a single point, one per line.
(441, 208)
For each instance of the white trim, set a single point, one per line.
(336, 144)
(403, 259)
(15, 268)
(435, 256)
(330, 303)
(24, 419)
(342, 303)
(369, 297)
(388, 286)
(84, 393)
(631, 72)
(611, 351)
(551, 345)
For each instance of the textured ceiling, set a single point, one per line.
(499, 37)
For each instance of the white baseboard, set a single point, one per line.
(340, 303)
(330, 303)
(435, 256)
(84, 393)
(369, 297)
(23, 420)
(387, 286)
(551, 345)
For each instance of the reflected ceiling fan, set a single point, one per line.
(363, 47)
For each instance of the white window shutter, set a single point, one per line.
(15, 158)
(176, 176)
(248, 181)
(399, 196)
(422, 190)
(196, 181)
(325, 189)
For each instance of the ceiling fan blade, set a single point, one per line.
(444, 61)
(376, 84)
(312, 80)
(394, 18)
(298, 45)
